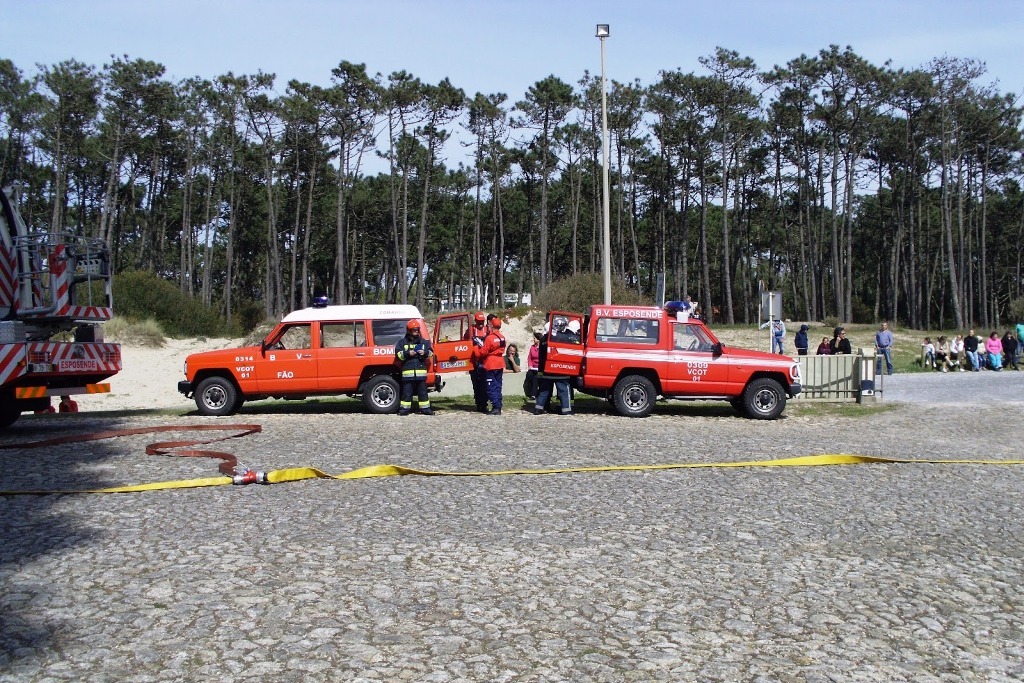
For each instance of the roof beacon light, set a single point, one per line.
(321, 302)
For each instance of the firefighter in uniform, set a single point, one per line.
(478, 376)
(552, 383)
(414, 354)
(493, 353)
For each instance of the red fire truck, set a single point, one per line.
(634, 355)
(54, 294)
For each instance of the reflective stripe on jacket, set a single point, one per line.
(413, 366)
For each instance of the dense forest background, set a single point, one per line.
(860, 191)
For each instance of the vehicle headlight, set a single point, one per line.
(185, 368)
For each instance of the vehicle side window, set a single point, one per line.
(294, 337)
(690, 338)
(388, 332)
(452, 329)
(342, 335)
(627, 331)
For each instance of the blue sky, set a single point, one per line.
(502, 45)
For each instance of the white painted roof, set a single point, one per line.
(354, 312)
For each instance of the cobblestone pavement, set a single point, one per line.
(858, 573)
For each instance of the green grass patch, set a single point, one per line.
(849, 409)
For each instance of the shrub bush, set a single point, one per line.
(142, 295)
(142, 333)
(579, 292)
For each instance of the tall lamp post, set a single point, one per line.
(602, 33)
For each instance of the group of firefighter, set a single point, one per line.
(413, 353)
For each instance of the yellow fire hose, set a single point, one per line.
(375, 471)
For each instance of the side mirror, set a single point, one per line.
(717, 348)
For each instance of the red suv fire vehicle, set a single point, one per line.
(318, 351)
(632, 355)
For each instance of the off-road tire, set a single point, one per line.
(634, 396)
(217, 396)
(764, 399)
(381, 395)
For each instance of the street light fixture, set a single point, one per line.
(602, 33)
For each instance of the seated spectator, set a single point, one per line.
(942, 354)
(994, 348)
(840, 345)
(1010, 351)
(512, 358)
(956, 353)
(48, 409)
(823, 348)
(929, 352)
(67, 405)
(971, 351)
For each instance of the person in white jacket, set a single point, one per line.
(956, 352)
(778, 334)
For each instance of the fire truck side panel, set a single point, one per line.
(50, 283)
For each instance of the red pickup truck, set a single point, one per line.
(632, 355)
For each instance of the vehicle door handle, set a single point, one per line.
(307, 355)
(360, 353)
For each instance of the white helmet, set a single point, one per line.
(573, 326)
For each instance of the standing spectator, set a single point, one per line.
(800, 340)
(956, 352)
(478, 376)
(971, 351)
(1010, 351)
(778, 334)
(66, 405)
(532, 364)
(512, 359)
(883, 344)
(994, 347)
(929, 352)
(413, 353)
(493, 353)
(942, 353)
(824, 348)
(840, 345)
